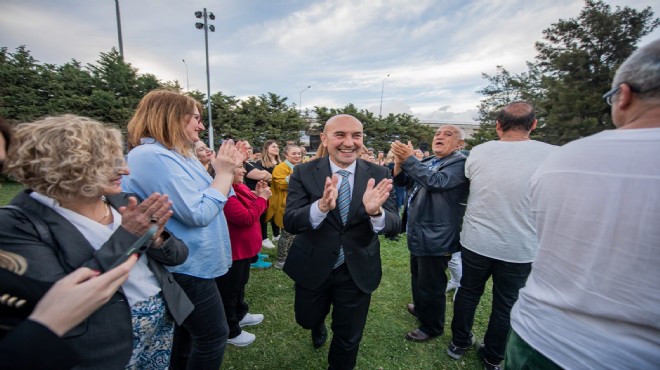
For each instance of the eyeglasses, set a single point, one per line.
(610, 94)
(197, 117)
(120, 164)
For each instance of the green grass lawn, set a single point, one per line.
(282, 344)
(7, 191)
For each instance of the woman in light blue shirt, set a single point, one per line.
(162, 134)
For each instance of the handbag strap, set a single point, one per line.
(43, 232)
(39, 225)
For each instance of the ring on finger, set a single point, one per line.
(154, 219)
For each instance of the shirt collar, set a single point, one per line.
(334, 168)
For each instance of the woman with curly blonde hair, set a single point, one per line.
(72, 167)
(162, 135)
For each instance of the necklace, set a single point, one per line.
(107, 209)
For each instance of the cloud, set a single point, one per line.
(435, 51)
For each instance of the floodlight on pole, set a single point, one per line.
(300, 99)
(382, 89)
(187, 80)
(207, 27)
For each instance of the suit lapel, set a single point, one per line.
(322, 172)
(360, 180)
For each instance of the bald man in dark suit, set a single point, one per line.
(337, 206)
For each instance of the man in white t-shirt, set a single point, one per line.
(498, 238)
(592, 300)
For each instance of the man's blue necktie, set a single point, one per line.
(343, 202)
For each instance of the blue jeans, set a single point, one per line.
(206, 325)
(508, 278)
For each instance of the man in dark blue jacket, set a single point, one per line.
(432, 218)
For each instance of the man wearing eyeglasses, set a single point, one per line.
(591, 301)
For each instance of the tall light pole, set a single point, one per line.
(121, 43)
(382, 89)
(207, 28)
(187, 81)
(300, 99)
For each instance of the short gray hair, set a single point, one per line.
(461, 132)
(642, 71)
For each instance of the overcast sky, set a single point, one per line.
(434, 50)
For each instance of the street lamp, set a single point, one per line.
(207, 28)
(187, 81)
(382, 89)
(121, 44)
(300, 99)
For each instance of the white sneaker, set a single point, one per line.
(242, 340)
(276, 238)
(451, 286)
(251, 319)
(266, 243)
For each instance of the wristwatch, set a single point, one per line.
(380, 213)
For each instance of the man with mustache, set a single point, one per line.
(432, 218)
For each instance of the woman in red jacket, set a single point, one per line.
(242, 212)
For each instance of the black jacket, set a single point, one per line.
(314, 251)
(433, 220)
(105, 339)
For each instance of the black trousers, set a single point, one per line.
(508, 278)
(264, 227)
(232, 290)
(350, 306)
(428, 283)
(199, 344)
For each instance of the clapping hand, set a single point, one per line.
(137, 218)
(402, 151)
(227, 158)
(242, 147)
(263, 190)
(329, 200)
(375, 196)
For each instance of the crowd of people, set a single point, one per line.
(141, 260)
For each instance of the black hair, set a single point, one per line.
(517, 116)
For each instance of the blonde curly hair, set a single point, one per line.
(65, 156)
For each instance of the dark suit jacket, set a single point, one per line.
(29, 345)
(105, 339)
(314, 251)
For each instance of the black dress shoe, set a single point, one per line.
(419, 336)
(319, 335)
